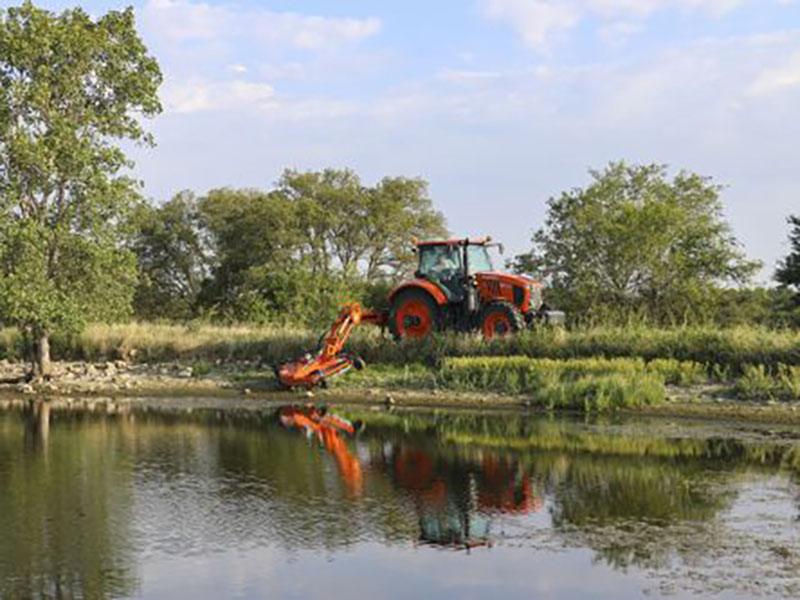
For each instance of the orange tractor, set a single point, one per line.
(455, 288)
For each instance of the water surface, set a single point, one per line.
(207, 503)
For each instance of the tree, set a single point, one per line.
(173, 258)
(352, 227)
(71, 89)
(635, 242)
(788, 272)
(255, 240)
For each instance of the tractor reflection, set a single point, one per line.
(455, 499)
(455, 496)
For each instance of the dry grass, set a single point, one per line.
(726, 352)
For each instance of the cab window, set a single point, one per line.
(439, 261)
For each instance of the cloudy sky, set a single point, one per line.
(499, 104)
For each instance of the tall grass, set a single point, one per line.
(583, 384)
(520, 373)
(726, 353)
(758, 383)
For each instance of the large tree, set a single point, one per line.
(72, 87)
(635, 241)
(788, 272)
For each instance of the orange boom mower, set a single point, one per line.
(455, 288)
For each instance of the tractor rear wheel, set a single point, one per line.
(500, 318)
(414, 314)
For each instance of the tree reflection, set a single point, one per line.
(64, 510)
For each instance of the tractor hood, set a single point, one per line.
(507, 278)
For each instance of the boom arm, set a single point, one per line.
(330, 360)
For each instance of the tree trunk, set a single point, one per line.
(41, 366)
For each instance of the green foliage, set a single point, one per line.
(636, 244)
(788, 272)
(171, 256)
(71, 88)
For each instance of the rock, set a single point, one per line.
(186, 373)
(247, 391)
(389, 400)
(309, 394)
(25, 388)
(90, 370)
(121, 365)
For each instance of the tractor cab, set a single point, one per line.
(450, 264)
(444, 260)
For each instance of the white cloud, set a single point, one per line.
(618, 32)
(469, 76)
(777, 79)
(534, 20)
(538, 21)
(200, 95)
(185, 20)
(256, 99)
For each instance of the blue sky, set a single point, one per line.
(499, 104)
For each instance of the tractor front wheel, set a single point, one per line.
(414, 314)
(499, 319)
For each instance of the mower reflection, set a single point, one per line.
(328, 429)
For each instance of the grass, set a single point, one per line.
(758, 383)
(730, 349)
(584, 384)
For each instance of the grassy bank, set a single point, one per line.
(591, 369)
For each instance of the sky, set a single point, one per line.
(498, 104)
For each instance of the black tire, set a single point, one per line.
(409, 295)
(510, 316)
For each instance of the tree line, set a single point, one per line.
(78, 243)
(635, 244)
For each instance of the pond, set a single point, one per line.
(203, 500)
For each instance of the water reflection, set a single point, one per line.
(37, 424)
(88, 499)
(329, 430)
(65, 508)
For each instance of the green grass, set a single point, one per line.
(758, 383)
(583, 384)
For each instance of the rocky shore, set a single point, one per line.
(121, 378)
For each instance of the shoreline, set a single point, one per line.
(235, 385)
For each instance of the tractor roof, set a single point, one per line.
(481, 241)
